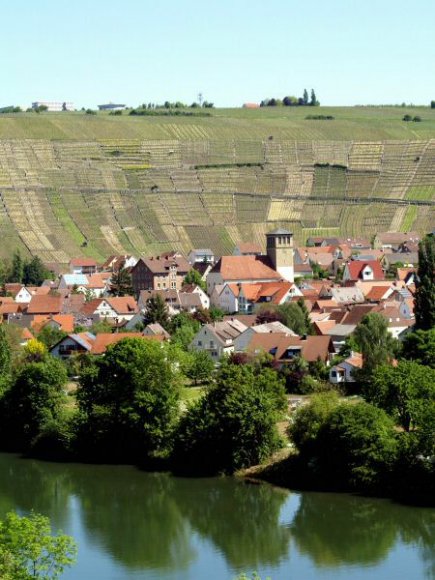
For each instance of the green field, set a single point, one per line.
(76, 184)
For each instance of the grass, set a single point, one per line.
(350, 123)
(144, 185)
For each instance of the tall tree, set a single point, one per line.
(375, 342)
(194, 277)
(5, 358)
(121, 284)
(156, 311)
(313, 101)
(305, 97)
(425, 284)
(17, 268)
(34, 272)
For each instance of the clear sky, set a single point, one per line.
(232, 51)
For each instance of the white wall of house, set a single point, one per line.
(208, 341)
(65, 348)
(23, 296)
(342, 373)
(227, 301)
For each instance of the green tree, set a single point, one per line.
(295, 316)
(313, 101)
(419, 346)
(194, 277)
(234, 424)
(425, 284)
(129, 399)
(34, 272)
(156, 311)
(5, 359)
(121, 284)
(305, 97)
(49, 336)
(28, 549)
(17, 268)
(34, 399)
(404, 391)
(375, 342)
(201, 367)
(309, 420)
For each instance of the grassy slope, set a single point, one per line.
(55, 222)
(351, 123)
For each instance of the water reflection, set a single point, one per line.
(149, 521)
(336, 529)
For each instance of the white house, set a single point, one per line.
(73, 344)
(242, 341)
(344, 372)
(218, 338)
(225, 297)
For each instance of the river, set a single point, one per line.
(134, 525)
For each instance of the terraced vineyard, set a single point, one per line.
(99, 196)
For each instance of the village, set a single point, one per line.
(336, 281)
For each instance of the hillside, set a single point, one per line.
(73, 184)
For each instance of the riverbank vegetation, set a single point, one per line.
(130, 406)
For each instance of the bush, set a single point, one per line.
(407, 118)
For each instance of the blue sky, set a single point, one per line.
(134, 51)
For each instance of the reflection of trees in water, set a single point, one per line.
(241, 520)
(134, 515)
(341, 529)
(145, 520)
(27, 485)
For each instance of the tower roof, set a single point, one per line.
(279, 232)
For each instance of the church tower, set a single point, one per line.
(279, 244)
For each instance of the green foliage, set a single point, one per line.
(129, 400)
(194, 277)
(420, 347)
(234, 424)
(17, 268)
(121, 284)
(201, 367)
(34, 272)
(405, 391)
(34, 398)
(309, 420)
(5, 359)
(407, 118)
(375, 342)
(425, 284)
(156, 311)
(295, 316)
(28, 549)
(49, 336)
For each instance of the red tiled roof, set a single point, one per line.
(123, 304)
(83, 262)
(245, 268)
(355, 267)
(103, 340)
(312, 348)
(249, 248)
(65, 321)
(45, 304)
(377, 293)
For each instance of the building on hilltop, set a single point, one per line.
(112, 107)
(54, 106)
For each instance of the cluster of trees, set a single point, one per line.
(291, 101)
(176, 105)
(31, 272)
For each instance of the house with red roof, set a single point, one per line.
(362, 270)
(114, 309)
(83, 266)
(345, 371)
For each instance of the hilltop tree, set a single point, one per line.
(313, 101)
(305, 97)
(425, 284)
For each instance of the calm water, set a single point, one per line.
(132, 525)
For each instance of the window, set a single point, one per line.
(199, 343)
(173, 285)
